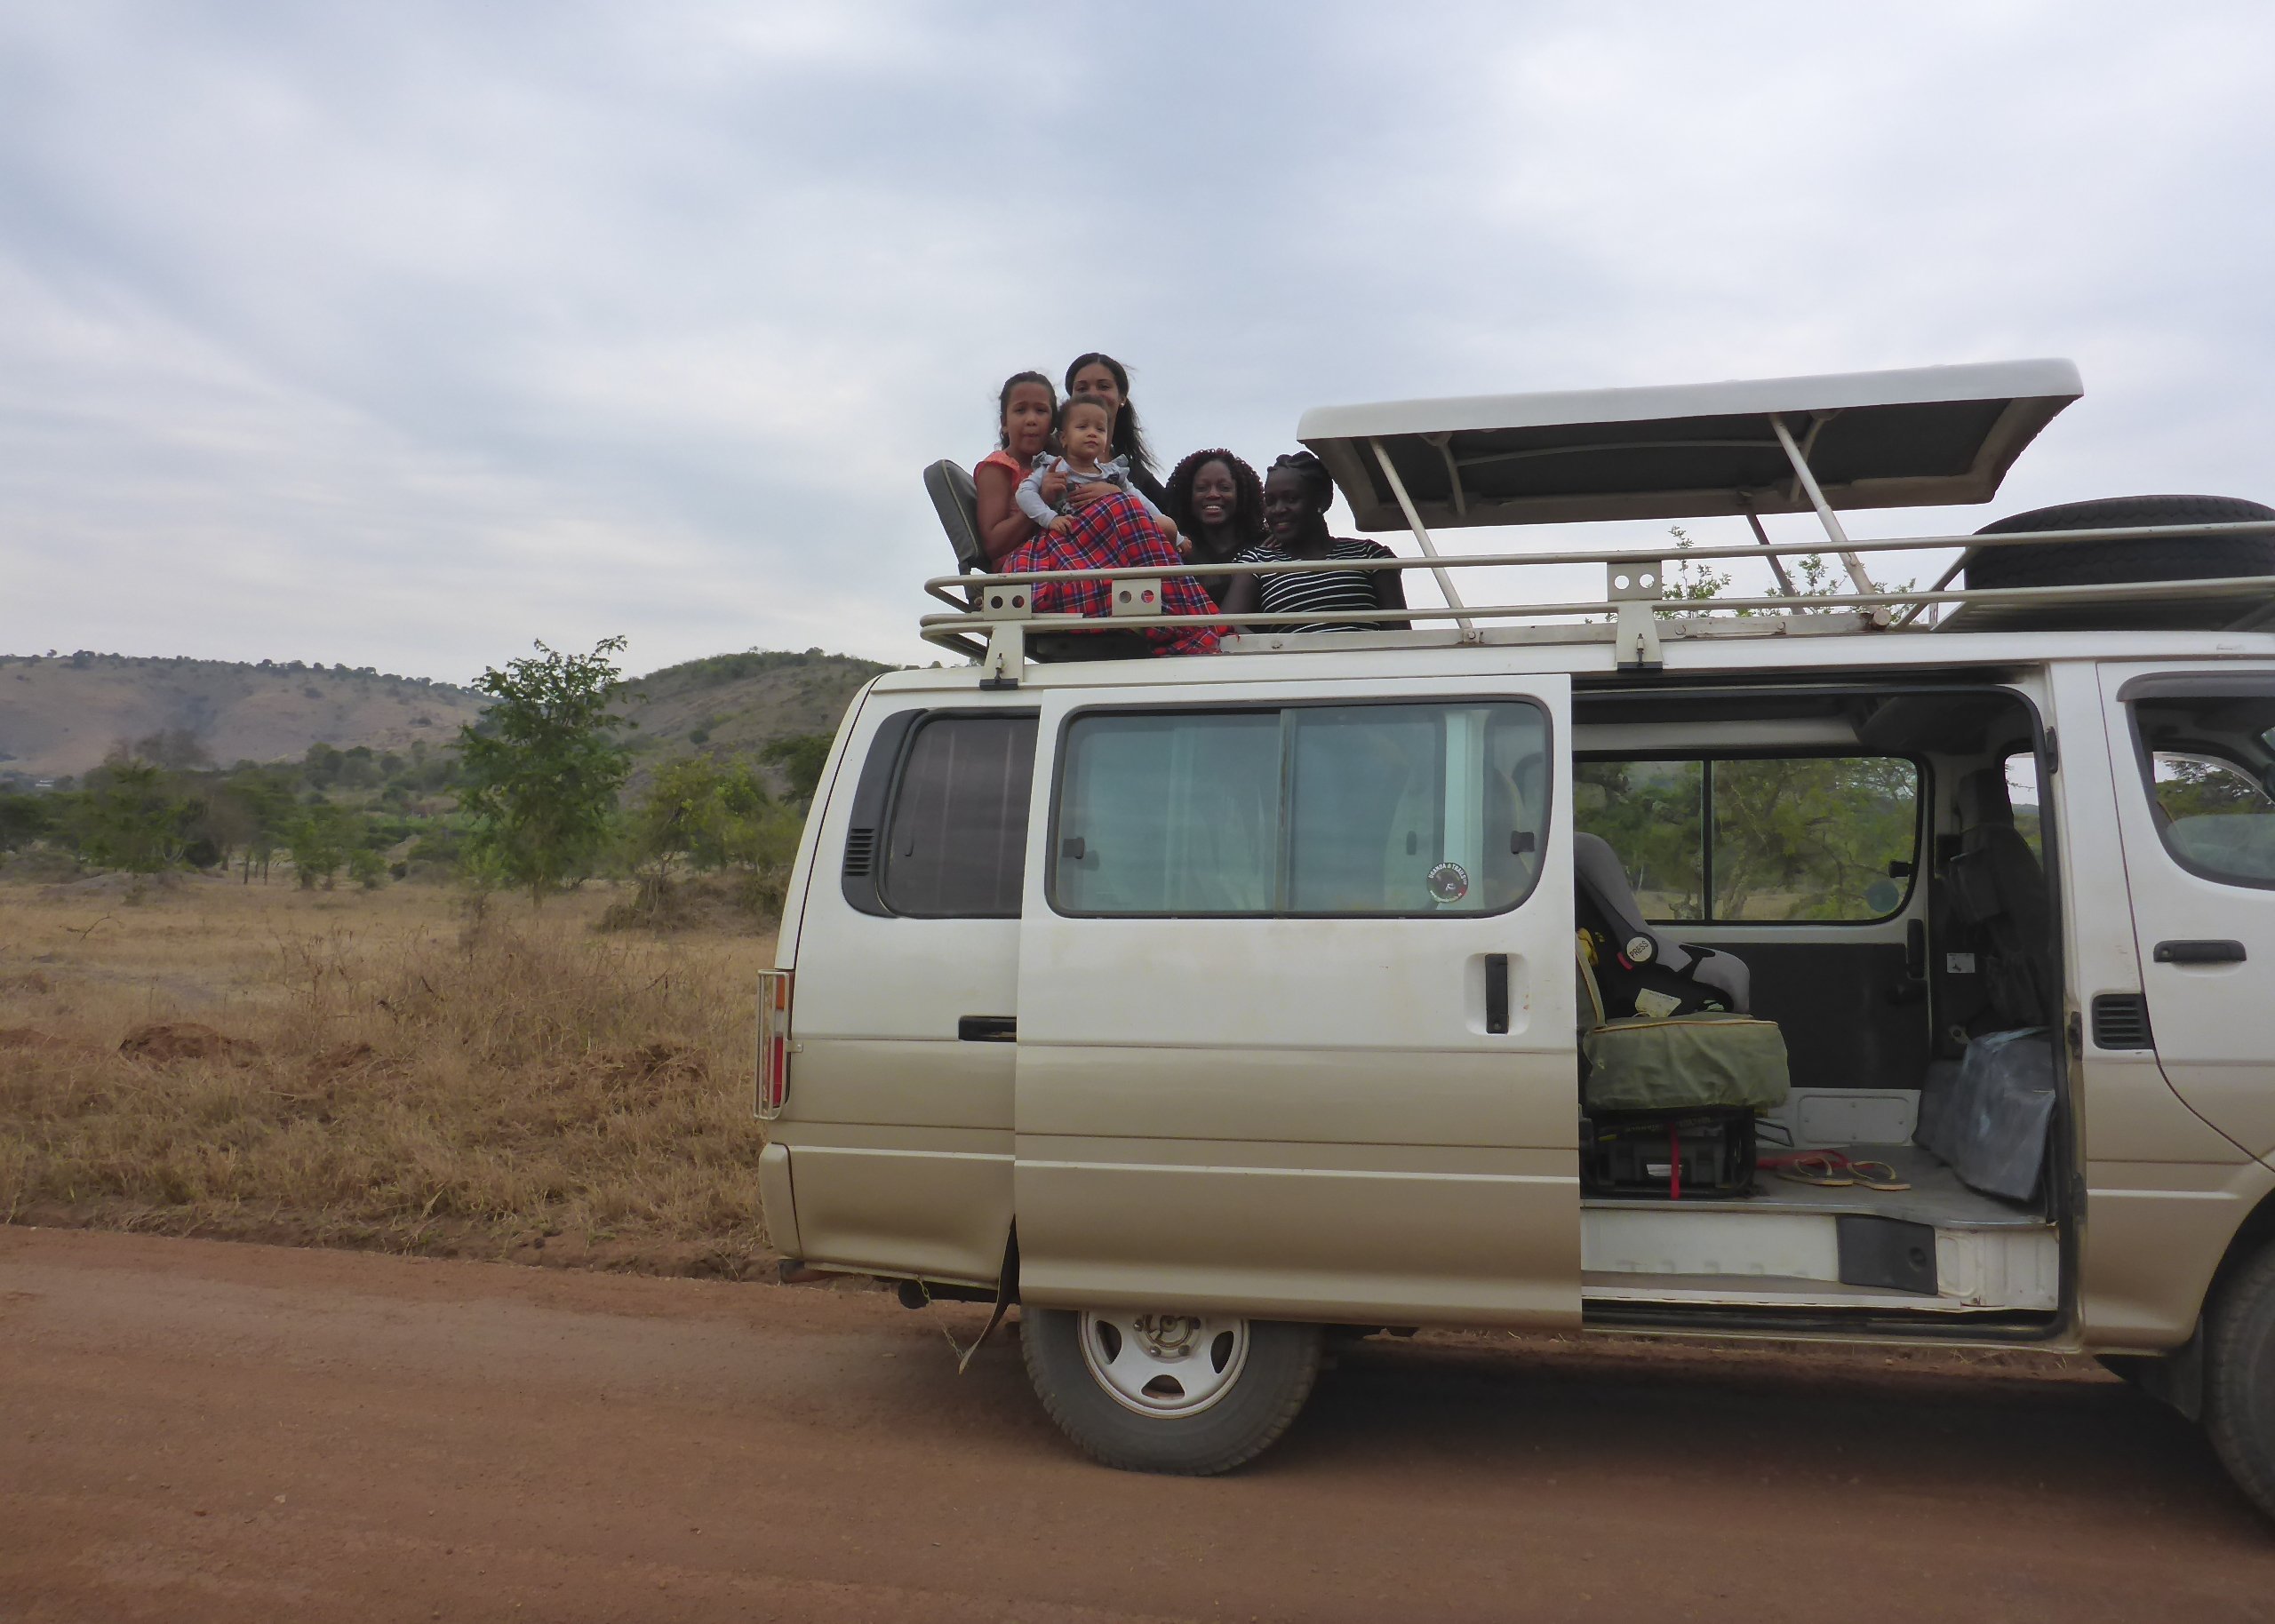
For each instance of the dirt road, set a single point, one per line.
(193, 1431)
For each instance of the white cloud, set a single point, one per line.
(406, 335)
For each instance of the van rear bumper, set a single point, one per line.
(775, 1198)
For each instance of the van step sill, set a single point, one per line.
(1760, 1290)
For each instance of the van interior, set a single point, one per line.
(1865, 868)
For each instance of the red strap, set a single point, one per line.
(1675, 1163)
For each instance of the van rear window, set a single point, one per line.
(1321, 811)
(957, 841)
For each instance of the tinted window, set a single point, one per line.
(1798, 837)
(1379, 810)
(2210, 768)
(956, 842)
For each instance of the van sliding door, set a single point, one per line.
(1295, 1006)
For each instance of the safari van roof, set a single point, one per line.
(1921, 437)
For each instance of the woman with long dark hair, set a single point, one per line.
(1217, 502)
(1296, 495)
(1101, 375)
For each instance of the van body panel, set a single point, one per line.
(899, 1130)
(2214, 1024)
(2164, 1191)
(2155, 1234)
(798, 893)
(778, 1201)
(1304, 1117)
(913, 1084)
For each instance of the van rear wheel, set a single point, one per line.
(1193, 1394)
(2240, 1378)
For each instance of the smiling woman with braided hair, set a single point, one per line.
(1217, 502)
(1296, 494)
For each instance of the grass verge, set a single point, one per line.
(375, 1072)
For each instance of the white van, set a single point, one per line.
(1206, 1007)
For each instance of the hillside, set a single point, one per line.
(735, 704)
(60, 715)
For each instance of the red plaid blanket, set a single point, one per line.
(1114, 533)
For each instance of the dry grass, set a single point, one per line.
(378, 1070)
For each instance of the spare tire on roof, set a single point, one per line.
(2144, 558)
(2147, 559)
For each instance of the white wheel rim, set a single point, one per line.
(1164, 1364)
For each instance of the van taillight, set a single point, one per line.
(773, 1041)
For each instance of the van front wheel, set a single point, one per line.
(1147, 1391)
(2240, 1378)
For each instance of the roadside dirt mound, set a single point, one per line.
(30, 1038)
(165, 1042)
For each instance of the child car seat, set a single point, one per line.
(1634, 958)
(956, 500)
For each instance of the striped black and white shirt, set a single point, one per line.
(1319, 592)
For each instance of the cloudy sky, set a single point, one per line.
(402, 335)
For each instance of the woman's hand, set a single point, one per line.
(1087, 491)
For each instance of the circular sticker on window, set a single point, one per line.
(1449, 882)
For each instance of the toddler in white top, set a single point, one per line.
(1085, 428)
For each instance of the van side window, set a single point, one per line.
(2209, 760)
(957, 840)
(2024, 796)
(1804, 838)
(1367, 810)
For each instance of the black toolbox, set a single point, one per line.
(1706, 1153)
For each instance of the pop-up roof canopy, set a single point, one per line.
(1925, 436)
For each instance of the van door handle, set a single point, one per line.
(1496, 993)
(989, 1029)
(2200, 952)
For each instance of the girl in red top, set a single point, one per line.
(1024, 411)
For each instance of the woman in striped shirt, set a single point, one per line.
(1296, 494)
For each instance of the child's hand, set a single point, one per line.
(1183, 546)
(1062, 524)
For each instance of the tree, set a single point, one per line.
(23, 819)
(801, 757)
(136, 820)
(710, 815)
(319, 842)
(541, 770)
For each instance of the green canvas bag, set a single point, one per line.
(1679, 1063)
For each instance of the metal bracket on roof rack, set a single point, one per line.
(1135, 597)
(1007, 638)
(1632, 585)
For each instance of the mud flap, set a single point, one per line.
(1006, 1292)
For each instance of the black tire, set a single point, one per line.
(1282, 1361)
(2240, 1378)
(2084, 563)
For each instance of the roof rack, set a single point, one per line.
(1926, 435)
(999, 606)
